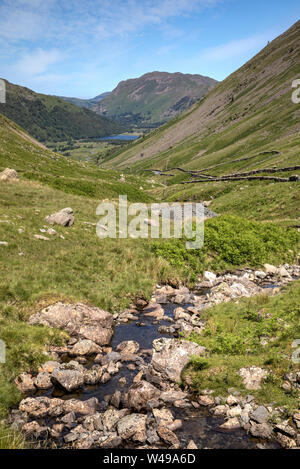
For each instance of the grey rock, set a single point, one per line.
(128, 347)
(85, 347)
(64, 217)
(261, 430)
(25, 383)
(260, 415)
(170, 356)
(43, 380)
(79, 320)
(68, 379)
(131, 425)
(140, 393)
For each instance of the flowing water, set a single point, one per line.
(198, 423)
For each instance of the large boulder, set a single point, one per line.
(85, 347)
(78, 320)
(128, 347)
(68, 379)
(64, 217)
(140, 393)
(170, 356)
(9, 175)
(40, 407)
(132, 426)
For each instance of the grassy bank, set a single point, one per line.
(233, 335)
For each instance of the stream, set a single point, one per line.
(197, 423)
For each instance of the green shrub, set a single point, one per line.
(231, 241)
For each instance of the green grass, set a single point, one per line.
(232, 335)
(107, 273)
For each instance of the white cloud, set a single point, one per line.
(37, 62)
(74, 19)
(235, 48)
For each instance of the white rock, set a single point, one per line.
(209, 276)
(260, 274)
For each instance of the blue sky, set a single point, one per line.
(83, 48)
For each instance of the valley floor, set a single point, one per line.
(74, 265)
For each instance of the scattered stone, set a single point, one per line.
(81, 407)
(234, 411)
(168, 436)
(252, 377)
(169, 397)
(231, 424)
(93, 375)
(9, 175)
(40, 407)
(270, 269)
(220, 410)
(174, 426)
(285, 429)
(68, 379)
(154, 310)
(129, 346)
(140, 393)
(43, 380)
(260, 415)
(3, 243)
(25, 382)
(64, 217)
(111, 442)
(163, 416)
(209, 276)
(282, 272)
(232, 400)
(49, 366)
(285, 441)
(261, 430)
(192, 445)
(206, 401)
(35, 430)
(122, 381)
(133, 425)
(112, 416)
(260, 274)
(85, 347)
(43, 238)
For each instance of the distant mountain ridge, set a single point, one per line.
(250, 112)
(153, 98)
(49, 118)
(87, 103)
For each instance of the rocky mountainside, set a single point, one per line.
(154, 98)
(248, 113)
(48, 118)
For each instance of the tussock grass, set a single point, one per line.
(10, 439)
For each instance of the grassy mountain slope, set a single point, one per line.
(153, 98)
(48, 118)
(250, 114)
(34, 162)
